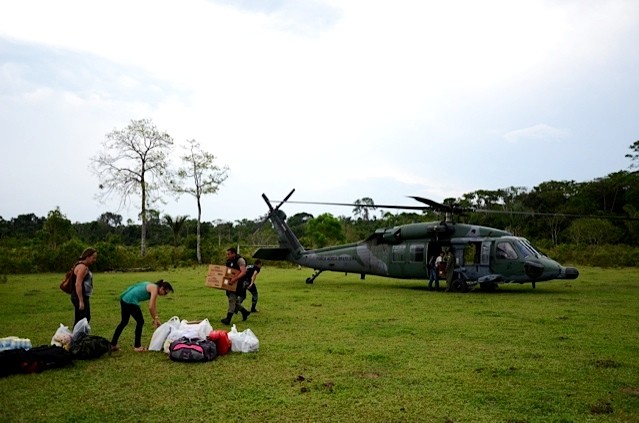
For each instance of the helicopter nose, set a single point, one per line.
(570, 273)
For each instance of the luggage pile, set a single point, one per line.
(187, 341)
(196, 341)
(17, 356)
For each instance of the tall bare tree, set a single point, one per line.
(363, 207)
(134, 161)
(200, 168)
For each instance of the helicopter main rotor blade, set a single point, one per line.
(376, 206)
(434, 204)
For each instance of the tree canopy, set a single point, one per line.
(134, 161)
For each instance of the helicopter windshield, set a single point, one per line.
(526, 249)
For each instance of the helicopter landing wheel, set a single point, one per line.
(459, 285)
(312, 278)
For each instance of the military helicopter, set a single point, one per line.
(484, 256)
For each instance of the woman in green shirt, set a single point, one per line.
(130, 301)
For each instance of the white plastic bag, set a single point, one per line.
(204, 329)
(234, 337)
(62, 337)
(190, 330)
(160, 334)
(195, 330)
(250, 343)
(80, 328)
(244, 341)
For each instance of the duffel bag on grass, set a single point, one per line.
(88, 347)
(192, 350)
(34, 360)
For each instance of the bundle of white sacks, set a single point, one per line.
(174, 329)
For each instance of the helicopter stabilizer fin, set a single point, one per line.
(272, 254)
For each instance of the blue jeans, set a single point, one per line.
(433, 277)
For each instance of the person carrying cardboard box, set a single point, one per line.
(235, 261)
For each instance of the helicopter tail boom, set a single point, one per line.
(278, 254)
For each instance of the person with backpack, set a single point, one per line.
(83, 285)
(130, 301)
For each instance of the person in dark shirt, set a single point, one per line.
(249, 283)
(235, 261)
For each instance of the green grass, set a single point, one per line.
(343, 349)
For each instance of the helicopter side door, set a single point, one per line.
(506, 261)
(397, 258)
(408, 260)
(415, 266)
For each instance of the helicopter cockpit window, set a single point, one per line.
(506, 251)
(532, 249)
(524, 250)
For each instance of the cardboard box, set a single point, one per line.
(219, 276)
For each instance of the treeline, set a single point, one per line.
(593, 223)
(31, 244)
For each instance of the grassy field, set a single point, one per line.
(343, 349)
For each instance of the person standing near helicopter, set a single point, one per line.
(450, 268)
(249, 281)
(433, 270)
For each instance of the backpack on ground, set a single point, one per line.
(192, 350)
(34, 360)
(87, 347)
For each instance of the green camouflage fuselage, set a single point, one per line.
(482, 254)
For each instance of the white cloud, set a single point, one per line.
(539, 132)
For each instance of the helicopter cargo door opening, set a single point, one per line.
(476, 259)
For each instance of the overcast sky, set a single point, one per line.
(340, 99)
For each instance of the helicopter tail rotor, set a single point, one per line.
(272, 210)
(290, 246)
